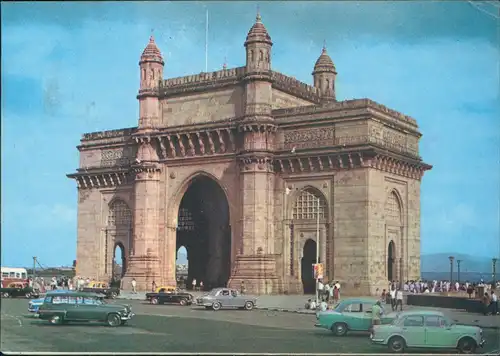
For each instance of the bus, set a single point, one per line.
(10, 274)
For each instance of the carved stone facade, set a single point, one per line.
(291, 169)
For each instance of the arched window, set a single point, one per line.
(252, 55)
(144, 74)
(306, 206)
(261, 56)
(393, 209)
(119, 215)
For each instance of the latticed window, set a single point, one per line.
(185, 220)
(393, 209)
(306, 206)
(119, 214)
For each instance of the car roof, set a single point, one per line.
(59, 291)
(421, 312)
(359, 300)
(78, 294)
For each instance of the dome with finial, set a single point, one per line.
(151, 52)
(324, 63)
(258, 32)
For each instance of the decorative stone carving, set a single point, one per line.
(392, 137)
(83, 195)
(316, 137)
(114, 157)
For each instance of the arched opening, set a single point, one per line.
(391, 261)
(119, 261)
(308, 259)
(181, 266)
(203, 229)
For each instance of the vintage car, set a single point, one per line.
(219, 298)
(34, 304)
(102, 288)
(429, 330)
(350, 315)
(62, 308)
(169, 295)
(18, 289)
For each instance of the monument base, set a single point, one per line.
(256, 274)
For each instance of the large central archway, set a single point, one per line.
(203, 229)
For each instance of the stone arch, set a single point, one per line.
(121, 246)
(393, 210)
(395, 245)
(391, 261)
(307, 260)
(261, 55)
(118, 232)
(210, 241)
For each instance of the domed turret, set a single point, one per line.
(151, 65)
(258, 46)
(324, 76)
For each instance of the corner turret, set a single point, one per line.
(324, 75)
(258, 46)
(151, 68)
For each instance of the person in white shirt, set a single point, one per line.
(399, 300)
(312, 305)
(134, 285)
(392, 293)
(494, 303)
(326, 291)
(337, 284)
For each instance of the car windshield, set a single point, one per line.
(213, 292)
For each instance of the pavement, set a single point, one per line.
(295, 304)
(174, 329)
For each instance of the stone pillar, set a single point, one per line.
(144, 264)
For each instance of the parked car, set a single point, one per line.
(427, 329)
(62, 308)
(169, 295)
(219, 298)
(102, 288)
(18, 289)
(350, 315)
(34, 304)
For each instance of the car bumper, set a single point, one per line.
(128, 316)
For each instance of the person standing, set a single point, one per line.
(134, 285)
(486, 303)
(392, 292)
(327, 292)
(321, 288)
(376, 313)
(494, 303)
(399, 299)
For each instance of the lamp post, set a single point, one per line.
(317, 248)
(494, 270)
(458, 270)
(451, 258)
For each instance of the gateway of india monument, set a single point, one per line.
(253, 172)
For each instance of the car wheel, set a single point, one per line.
(154, 300)
(396, 344)
(5, 295)
(248, 305)
(113, 295)
(340, 329)
(56, 319)
(216, 306)
(183, 302)
(28, 295)
(467, 346)
(114, 320)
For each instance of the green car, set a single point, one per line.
(350, 315)
(427, 329)
(62, 308)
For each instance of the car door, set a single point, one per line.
(353, 316)
(437, 333)
(72, 309)
(225, 298)
(413, 330)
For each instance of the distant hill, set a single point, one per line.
(439, 262)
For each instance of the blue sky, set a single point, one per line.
(70, 68)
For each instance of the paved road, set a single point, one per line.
(158, 328)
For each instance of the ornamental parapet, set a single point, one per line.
(286, 115)
(294, 86)
(99, 178)
(202, 81)
(108, 134)
(347, 141)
